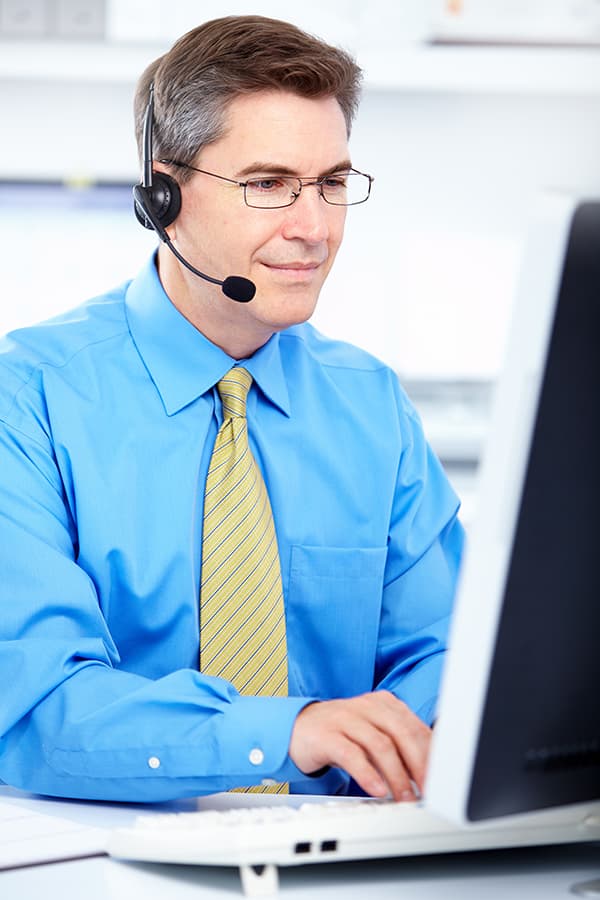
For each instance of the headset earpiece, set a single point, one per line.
(164, 198)
(158, 196)
(157, 202)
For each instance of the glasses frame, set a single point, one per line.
(302, 182)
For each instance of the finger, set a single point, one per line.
(414, 745)
(353, 759)
(380, 749)
(384, 756)
(411, 737)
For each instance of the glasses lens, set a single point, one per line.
(276, 191)
(272, 192)
(346, 189)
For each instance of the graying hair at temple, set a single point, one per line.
(225, 58)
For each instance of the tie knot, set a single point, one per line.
(233, 389)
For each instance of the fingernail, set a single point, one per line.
(407, 796)
(378, 788)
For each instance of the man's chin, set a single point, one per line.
(284, 311)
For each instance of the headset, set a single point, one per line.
(157, 203)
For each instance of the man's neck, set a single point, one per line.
(208, 310)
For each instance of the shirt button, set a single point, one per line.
(268, 782)
(154, 762)
(256, 756)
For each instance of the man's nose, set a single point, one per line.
(308, 216)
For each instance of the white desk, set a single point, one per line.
(528, 874)
(503, 875)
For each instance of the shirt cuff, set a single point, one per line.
(254, 737)
(419, 688)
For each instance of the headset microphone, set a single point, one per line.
(157, 202)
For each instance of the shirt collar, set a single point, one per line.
(181, 361)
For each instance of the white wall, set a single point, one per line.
(439, 246)
(460, 142)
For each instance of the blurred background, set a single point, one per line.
(471, 109)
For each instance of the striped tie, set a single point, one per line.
(242, 636)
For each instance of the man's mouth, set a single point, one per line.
(294, 266)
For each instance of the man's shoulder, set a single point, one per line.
(329, 352)
(350, 367)
(55, 342)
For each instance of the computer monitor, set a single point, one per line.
(519, 712)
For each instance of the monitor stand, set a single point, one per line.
(587, 888)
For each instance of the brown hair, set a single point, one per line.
(223, 58)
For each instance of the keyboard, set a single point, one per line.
(336, 829)
(32, 838)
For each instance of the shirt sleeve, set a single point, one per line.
(424, 551)
(72, 723)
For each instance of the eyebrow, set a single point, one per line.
(277, 169)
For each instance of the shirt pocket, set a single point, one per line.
(333, 608)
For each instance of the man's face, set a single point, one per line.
(286, 252)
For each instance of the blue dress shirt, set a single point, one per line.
(108, 415)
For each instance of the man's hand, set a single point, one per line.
(375, 738)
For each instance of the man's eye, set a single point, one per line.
(266, 185)
(336, 181)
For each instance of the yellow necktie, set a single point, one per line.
(242, 622)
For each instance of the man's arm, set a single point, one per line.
(382, 739)
(425, 546)
(72, 723)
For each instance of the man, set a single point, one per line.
(129, 680)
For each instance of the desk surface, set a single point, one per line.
(540, 874)
(545, 873)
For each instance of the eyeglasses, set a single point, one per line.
(278, 191)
